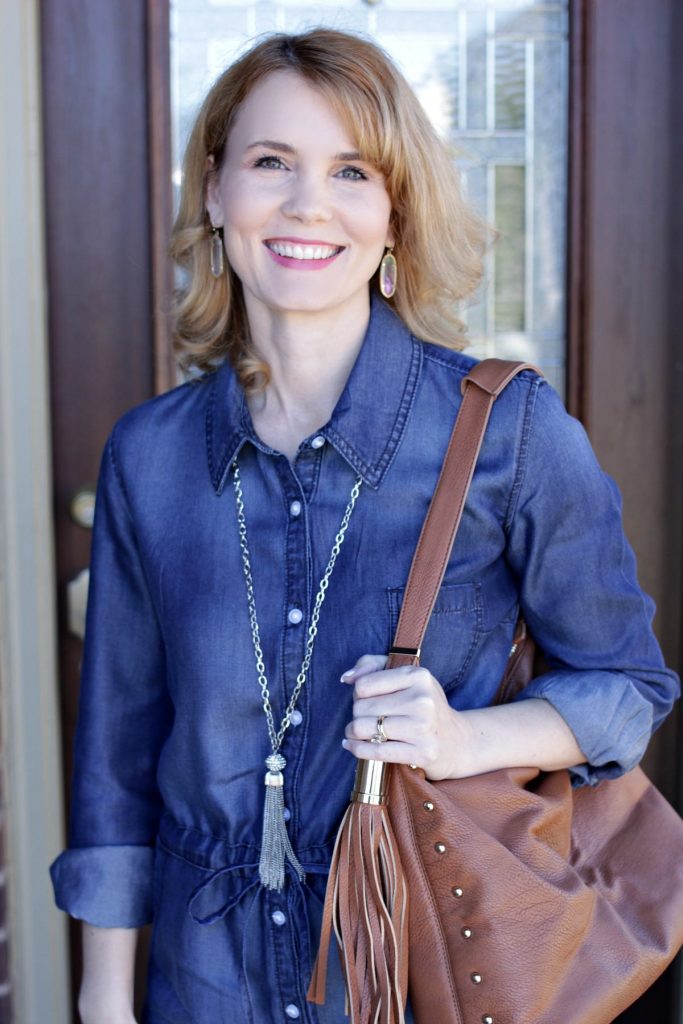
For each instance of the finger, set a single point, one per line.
(399, 702)
(396, 727)
(366, 663)
(392, 751)
(391, 680)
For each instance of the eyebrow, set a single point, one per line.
(284, 147)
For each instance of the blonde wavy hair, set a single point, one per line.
(439, 239)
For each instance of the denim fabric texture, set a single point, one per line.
(169, 759)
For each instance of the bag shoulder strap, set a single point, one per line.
(480, 388)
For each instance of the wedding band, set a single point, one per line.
(380, 736)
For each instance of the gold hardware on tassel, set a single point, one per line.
(369, 787)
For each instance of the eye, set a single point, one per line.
(269, 162)
(352, 174)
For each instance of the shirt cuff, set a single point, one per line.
(611, 720)
(107, 886)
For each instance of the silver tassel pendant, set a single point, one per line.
(275, 844)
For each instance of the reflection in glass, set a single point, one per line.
(509, 254)
(510, 85)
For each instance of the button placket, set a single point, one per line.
(301, 954)
(282, 914)
(307, 467)
(294, 634)
(299, 482)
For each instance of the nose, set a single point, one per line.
(308, 199)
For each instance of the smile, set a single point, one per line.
(296, 251)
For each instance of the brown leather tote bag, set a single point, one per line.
(509, 897)
(532, 902)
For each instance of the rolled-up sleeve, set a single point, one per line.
(580, 597)
(125, 714)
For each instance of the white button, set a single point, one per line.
(279, 918)
(292, 1011)
(295, 615)
(296, 717)
(286, 813)
(318, 441)
(295, 508)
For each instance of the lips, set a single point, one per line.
(303, 250)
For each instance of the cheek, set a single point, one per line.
(248, 204)
(372, 219)
(239, 211)
(245, 215)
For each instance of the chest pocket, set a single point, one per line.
(453, 631)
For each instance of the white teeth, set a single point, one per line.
(303, 252)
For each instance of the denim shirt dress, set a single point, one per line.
(169, 759)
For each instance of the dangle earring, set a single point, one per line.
(217, 265)
(388, 271)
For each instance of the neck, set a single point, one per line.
(310, 358)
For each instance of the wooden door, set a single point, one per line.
(102, 133)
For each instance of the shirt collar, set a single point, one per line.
(368, 421)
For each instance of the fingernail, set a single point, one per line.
(345, 744)
(347, 675)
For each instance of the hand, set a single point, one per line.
(105, 1015)
(421, 727)
(106, 994)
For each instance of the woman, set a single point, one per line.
(254, 532)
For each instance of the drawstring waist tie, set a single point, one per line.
(233, 869)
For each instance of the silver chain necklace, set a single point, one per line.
(275, 845)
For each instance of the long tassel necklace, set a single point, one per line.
(275, 844)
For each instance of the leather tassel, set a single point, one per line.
(366, 905)
(275, 844)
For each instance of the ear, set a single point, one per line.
(212, 193)
(390, 239)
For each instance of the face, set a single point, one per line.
(305, 221)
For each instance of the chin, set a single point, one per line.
(306, 304)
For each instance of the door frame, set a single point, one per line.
(30, 763)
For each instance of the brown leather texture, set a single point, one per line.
(566, 903)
